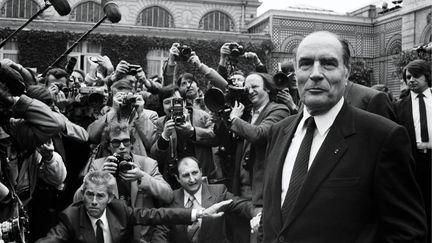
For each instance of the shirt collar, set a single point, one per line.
(324, 121)
(197, 196)
(427, 94)
(259, 109)
(103, 218)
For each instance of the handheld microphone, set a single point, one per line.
(111, 10)
(61, 6)
(71, 65)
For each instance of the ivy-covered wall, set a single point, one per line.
(40, 48)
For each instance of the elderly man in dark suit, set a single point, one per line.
(336, 173)
(99, 218)
(414, 111)
(194, 193)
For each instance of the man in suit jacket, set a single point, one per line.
(369, 99)
(175, 141)
(140, 185)
(346, 177)
(212, 230)
(101, 218)
(417, 76)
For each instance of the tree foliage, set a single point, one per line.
(360, 73)
(401, 60)
(38, 49)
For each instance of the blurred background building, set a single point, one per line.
(375, 34)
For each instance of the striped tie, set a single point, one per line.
(300, 169)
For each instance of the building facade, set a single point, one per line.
(373, 36)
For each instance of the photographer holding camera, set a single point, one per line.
(128, 106)
(138, 180)
(182, 132)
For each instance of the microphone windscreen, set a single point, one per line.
(61, 6)
(71, 65)
(111, 10)
(12, 79)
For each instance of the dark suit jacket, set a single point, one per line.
(254, 146)
(369, 99)
(75, 225)
(203, 141)
(404, 115)
(359, 188)
(212, 229)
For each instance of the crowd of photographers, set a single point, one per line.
(57, 128)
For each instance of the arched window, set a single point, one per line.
(87, 12)
(156, 17)
(216, 20)
(82, 52)
(155, 59)
(19, 9)
(10, 50)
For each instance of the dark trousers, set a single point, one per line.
(423, 177)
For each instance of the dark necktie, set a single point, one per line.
(423, 119)
(99, 232)
(300, 169)
(193, 230)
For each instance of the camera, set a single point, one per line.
(236, 50)
(185, 53)
(14, 230)
(123, 163)
(133, 69)
(128, 101)
(177, 109)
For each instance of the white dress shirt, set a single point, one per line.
(416, 117)
(323, 123)
(256, 113)
(197, 196)
(105, 226)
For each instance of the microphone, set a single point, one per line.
(61, 6)
(111, 10)
(71, 65)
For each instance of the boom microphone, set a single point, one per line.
(61, 6)
(111, 10)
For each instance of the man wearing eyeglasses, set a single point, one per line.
(138, 180)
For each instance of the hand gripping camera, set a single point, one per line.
(185, 53)
(177, 111)
(123, 163)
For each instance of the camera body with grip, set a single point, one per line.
(177, 111)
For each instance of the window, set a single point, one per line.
(19, 9)
(216, 20)
(82, 52)
(87, 12)
(155, 59)
(10, 51)
(155, 17)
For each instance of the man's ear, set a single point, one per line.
(177, 178)
(347, 71)
(111, 197)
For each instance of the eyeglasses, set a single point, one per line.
(116, 143)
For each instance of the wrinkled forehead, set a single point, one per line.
(96, 189)
(320, 44)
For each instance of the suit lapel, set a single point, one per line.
(330, 153)
(86, 227)
(407, 116)
(114, 225)
(206, 196)
(288, 131)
